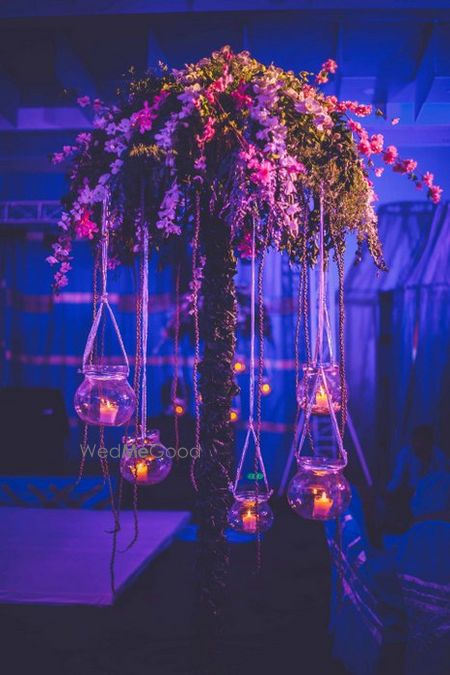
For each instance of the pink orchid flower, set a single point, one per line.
(263, 174)
(241, 98)
(435, 193)
(390, 154)
(83, 101)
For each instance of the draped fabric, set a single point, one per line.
(420, 329)
(366, 597)
(372, 376)
(422, 565)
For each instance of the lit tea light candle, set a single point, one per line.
(249, 521)
(140, 471)
(321, 400)
(108, 411)
(322, 505)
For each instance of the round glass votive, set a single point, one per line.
(250, 512)
(145, 460)
(105, 397)
(311, 387)
(319, 494)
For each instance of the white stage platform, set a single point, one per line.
(62, 556)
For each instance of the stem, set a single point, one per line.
(217, 388)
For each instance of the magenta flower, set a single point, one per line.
(364, 146)
(263, 174)
(250, 156)
(65, 267)
(356, 127)
(410, 165)
(84, 138)
(244, 247)
(405, 166)
(435, 193)
(363, 110)
(220, 85)
(143, 118)
(428, 179)
(83, 101)
(376, 143)
(330, 66)
(86, 228)
(241, 98)
(208, 133)
(200, 163)
(390, 154)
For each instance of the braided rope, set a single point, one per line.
(195, 248)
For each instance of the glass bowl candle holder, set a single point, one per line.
(311, 387)
(319, 491)
(105, 397)
(145, 460)
(250, 512)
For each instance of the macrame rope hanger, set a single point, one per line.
(142, 427)
(104, 301)
(251, 431)
(323, 325)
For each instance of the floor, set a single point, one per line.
(276, 621)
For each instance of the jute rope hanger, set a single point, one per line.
(323, 326)
(104, 301)
(251, 431)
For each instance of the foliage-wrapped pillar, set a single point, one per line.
(217, 388)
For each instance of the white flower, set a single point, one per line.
(124, 125)
(98, 193)
(116, 166)
(99, 122)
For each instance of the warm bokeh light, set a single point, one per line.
(179, 409)
(239, 366)
(266, 388)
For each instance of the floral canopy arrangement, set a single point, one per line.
(233, 157)
(254, 140)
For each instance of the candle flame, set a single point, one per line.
(106, 403)
(321, 396)
(322, 504)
